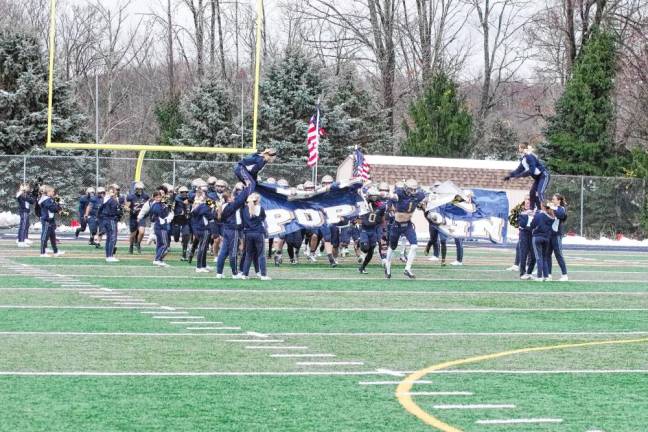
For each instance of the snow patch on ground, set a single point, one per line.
(8, 220)
(604, 241)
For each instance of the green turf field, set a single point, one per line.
(90, 346)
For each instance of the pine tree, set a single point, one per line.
(350, 119)
(502, 142)
(207, 114)
(169, 119)
(440, 124)
(289, 95)
(23, 99)
(580, 134)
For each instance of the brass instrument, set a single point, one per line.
(64, 211)
(515, 213)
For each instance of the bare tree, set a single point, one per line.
(77, 41)
(499, 24)
(197, 10)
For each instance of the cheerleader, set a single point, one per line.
(525, 255)
(230, 220)
(247, 169)
(531, 166)
(161, 215)
(558, 205)
(110, 213)
(253, 216)
(25, 200)
(541, 229)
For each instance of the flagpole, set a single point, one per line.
(317, 132)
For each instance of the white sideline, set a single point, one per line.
(192, 374)
(135, 334)
(455, 334)
(519, 421)
(339, 363)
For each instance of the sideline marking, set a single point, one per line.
(467, 407)
(406, 385)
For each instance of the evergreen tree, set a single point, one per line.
(207, 114)
(580, 134)
(502, 142)
(440, 122)
(288, 98)
(23, 98)
(350, 119)
(169, 119)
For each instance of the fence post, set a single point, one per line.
(582, 204)
(25, 169)
(174, 173)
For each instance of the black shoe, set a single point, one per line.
(409, 274)
(293, 261)
(278, 260)
(387, 274)
(130, 249)
(190, 258)
(427, 250)
(97, 245)
(76, 233)
(139, 249)
(362, 271)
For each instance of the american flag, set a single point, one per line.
(312, 139)
(361, 168)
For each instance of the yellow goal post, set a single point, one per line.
(143, 148)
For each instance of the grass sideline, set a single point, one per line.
(373, 331)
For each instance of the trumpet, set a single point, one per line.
(212, 203)
(515, 213)
(64, 211)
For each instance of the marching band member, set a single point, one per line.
(137, 226)
(531, 166)
(541, 228)
(161, 215)
(247, 169)
(180, 227)
(405, 200)
(557, 233)
(371, 227)
(201, 215)
(84, 202)
(50, 206)
(92, 216)
(110, 212)
(25, 200)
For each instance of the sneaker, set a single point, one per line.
(76, 233)
(360, 259)
(548, 277)
(539, 279)
(157, 263)
(443, 262)
(215, 259)
(243, 277)
(139, 249)
(28, 242)
(265, 278)
(277, 260)
(237, 276)
(564, 278)
(202, 270)
(163, 264)
(97, 245)
(21, 245)
(45, 255)
(219, 276)
(433, 258)
(112, 259)
(513, 268)
(130, 249)
(456, 263)
(402, 259)
(183, 259)
(59, 253)
(362, 271)
(333, 263)
(312, 258)
(525, 277)
(293, 261)
(387, 273)
(409, 274)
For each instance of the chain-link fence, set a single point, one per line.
(71, 176)
(597, 205)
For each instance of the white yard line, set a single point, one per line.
(390, 383)
(255, 341)
(194, 322)
(472, 406)
(333, 363)
(519, 421)
(178, 317)
(252, 347)
(134, 334)
(213, 328)
(301, 355)
(190, 374)
(437, 393)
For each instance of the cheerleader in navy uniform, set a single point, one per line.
(247, 169)
(526, 258)
(541, 229)
(25, 200)
(558, 205)
(531, 166)
(253, 216)
(201, 216)
(161, 215)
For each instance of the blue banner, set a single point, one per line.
(288, 210)
(487, 220)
